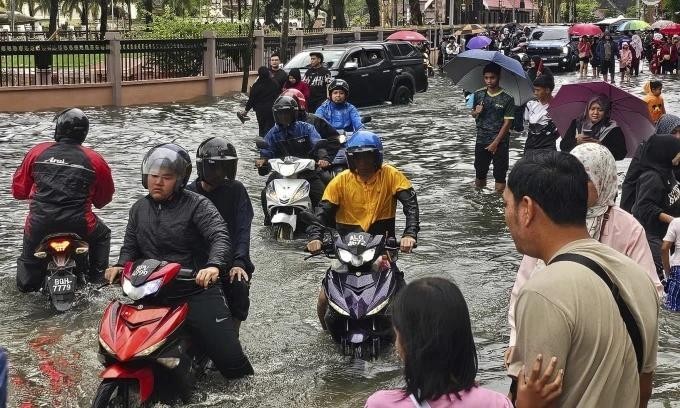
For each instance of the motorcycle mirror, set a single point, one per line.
(40, 255)
(261, 144)
(366, 119)
(81, 250)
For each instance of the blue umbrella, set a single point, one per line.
(466, 71)
(479, 42)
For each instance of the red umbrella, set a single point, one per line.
(672, 29)
(406, 36)
(584, 29)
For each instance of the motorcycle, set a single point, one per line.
(360, 284)
(147, 354)
(61, 271)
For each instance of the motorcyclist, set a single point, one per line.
(176, 225)
(63, 180)
(291, 137)
(364, 198)
(216, 162)
(341, 114)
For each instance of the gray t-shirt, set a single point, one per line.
(497, 108)
(568, 312)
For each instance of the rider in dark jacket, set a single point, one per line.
(63, 180)
(175, 225)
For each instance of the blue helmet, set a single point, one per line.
(364, 141)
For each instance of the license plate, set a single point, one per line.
(61, 284)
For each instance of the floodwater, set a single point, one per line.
(463, 237)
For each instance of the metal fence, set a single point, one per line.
(313, 40)
(273, 45)
(160, 59)
(343, 38)
(232, 53)
(24, 63)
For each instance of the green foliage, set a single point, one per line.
(585, 10)
(170, 26)
(670, 7)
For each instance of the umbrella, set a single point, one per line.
(661, 23)
(406, 36)
(466, 71)
(470, 29)
(479, 42)
(584, 29)
(634, 25)
(629, 111)
(671, 29)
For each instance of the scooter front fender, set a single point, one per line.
(144, 375)
(285, 218)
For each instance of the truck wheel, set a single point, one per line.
(402, 96)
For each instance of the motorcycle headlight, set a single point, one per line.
(368, 255)
(150, 349)
(378, 308)
(337, 308)
(287, 170)
(300, 193)
(565, 50)
(344, 255)
(138, 292)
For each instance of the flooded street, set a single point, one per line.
(463, 237)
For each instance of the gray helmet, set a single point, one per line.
(285, 111)
(338, 84)
(167, 156)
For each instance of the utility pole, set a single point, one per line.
(285, 10)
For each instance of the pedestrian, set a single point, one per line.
(494, 112)
(542, 130)
(584, 55)
(263, 93)
(434, 341)
(671, 265)
(295, 82)
(596, 126)
(606, 223)
(317, 77)
(668, 125)
(277, 72)
(625, 62)
(665, 57)
(537, 68)
(595, 59)
(607, 52)
(593, 308)
(638, 53)
(675, 43)
(654, 100)
(650, 190)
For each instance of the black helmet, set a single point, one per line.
(338, 84)
(167, 156)
(71, 124)
(285, 110)
(216, 161)
(525, 60)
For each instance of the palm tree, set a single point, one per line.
(103, 8)
(82, 7)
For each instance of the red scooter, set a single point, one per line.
(147, 355)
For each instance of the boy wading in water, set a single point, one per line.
(494, 112)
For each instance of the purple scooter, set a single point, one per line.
(360, 284)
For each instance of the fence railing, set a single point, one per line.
(232, 54)
(24, 63)
(143, 60)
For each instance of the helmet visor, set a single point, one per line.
(163, 161)
(214, 170)
(285, 117)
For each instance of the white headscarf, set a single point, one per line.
(601, 168)
(636, 43)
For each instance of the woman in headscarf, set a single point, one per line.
(263, 93)
(537, 68)
(295, 82)
(668, 125)
(651, 191)
(596, 126)
(638, 52)
(606, 223)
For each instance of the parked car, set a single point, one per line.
(376, 72)
(553, 44)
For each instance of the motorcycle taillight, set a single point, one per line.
(60, 245)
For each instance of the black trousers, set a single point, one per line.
(316, 188)
(210, 323)
(265, 121)
(30, 269)
(237, 294)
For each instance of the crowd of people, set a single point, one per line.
(584, 308)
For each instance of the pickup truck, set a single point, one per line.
(554, 45)
(376, 71)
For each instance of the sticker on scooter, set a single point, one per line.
(357, 240)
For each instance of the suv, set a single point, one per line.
(376, 72)
(554, 45)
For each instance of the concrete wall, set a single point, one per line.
(37, 98)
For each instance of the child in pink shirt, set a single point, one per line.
(625, 61)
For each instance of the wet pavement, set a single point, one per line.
(463, 237)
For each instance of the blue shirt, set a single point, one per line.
(340, 115)
(297, 140)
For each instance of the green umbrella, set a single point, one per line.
(634, 25)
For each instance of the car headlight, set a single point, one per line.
(300, 193)
(368, 255)
(150, 349)
(138, 292)
(106, 346)
(337, 308)
(565, 50)
(378, 308)
(344, 255)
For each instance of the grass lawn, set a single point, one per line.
(59, 60)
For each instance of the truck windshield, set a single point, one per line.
(331, 59)
(549, 35)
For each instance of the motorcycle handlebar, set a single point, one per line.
(186, 274)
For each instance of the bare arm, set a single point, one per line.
(665, 256)
(663, 217)
(646, 387)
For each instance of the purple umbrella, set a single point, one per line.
(629, 111)
(479, 42)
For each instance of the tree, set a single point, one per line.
(338, 13)
(272, 10)
(373, 12)
(54, 14)
(416, 14)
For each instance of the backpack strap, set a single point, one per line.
(626, 315)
